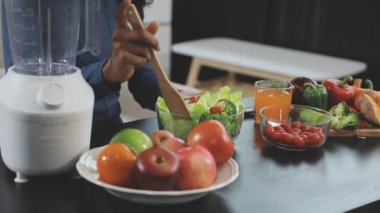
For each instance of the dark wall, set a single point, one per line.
(343, 28)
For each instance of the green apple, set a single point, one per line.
(134, 139)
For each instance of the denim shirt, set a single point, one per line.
(143, 84)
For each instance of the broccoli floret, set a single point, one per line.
(229, 107)
(335, 123)
(343, 118)
(349, 121)
(340, 109)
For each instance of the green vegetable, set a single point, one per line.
(315, 95)
(229, 107)
(340, 109)
(348, 122)
(312, 116)
(231, 116)
(367, 84)
(343, 118)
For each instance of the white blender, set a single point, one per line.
(46, 105)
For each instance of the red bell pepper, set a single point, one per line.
(340, 90)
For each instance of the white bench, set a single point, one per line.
(263, 61)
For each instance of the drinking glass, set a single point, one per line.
(270, 92)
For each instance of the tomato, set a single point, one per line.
(303, 136)
(275, 136)
(296, 124)
(298, 142)
(306, 133)
(216, 109)
(286, 127)
(278, 129)
(295, 134)
(320, 133)
(305, 128)
(295, 130)
(193, 99)
(268, 130)
(212, 135)
(115, 164)
(314, 140)
(285, 138)
(313, 129)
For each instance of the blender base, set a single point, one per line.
(41, 135)
(20, 178)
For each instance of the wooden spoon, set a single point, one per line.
(170, 94)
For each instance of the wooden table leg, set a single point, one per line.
(193, 72)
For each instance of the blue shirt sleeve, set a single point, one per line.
(144, 87)
(107, 108)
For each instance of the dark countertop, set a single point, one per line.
(344, 174)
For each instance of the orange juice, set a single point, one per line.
(266, 94)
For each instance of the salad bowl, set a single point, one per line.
(224, 106)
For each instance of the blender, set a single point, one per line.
(46, 105)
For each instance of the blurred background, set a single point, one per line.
(342, 28)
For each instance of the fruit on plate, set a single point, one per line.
(212, 135)
(115, 165)
(166, 139)
(134, 139)
(157, 169)
(197, 168)
(160, 135)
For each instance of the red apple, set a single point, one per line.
(172, 144)
(212, 135)
(198, 168)
(157, 169)
(160, 135)
(167, 140)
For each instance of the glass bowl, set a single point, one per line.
(181, 127)
(298, 128)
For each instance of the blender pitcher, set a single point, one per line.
(45, 104)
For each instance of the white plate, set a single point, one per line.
(86, 167)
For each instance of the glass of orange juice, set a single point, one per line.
(268, 92)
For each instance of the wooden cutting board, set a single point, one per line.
(359, 133)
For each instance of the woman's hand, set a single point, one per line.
(130, 47)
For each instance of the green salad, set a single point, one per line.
(224, 106)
